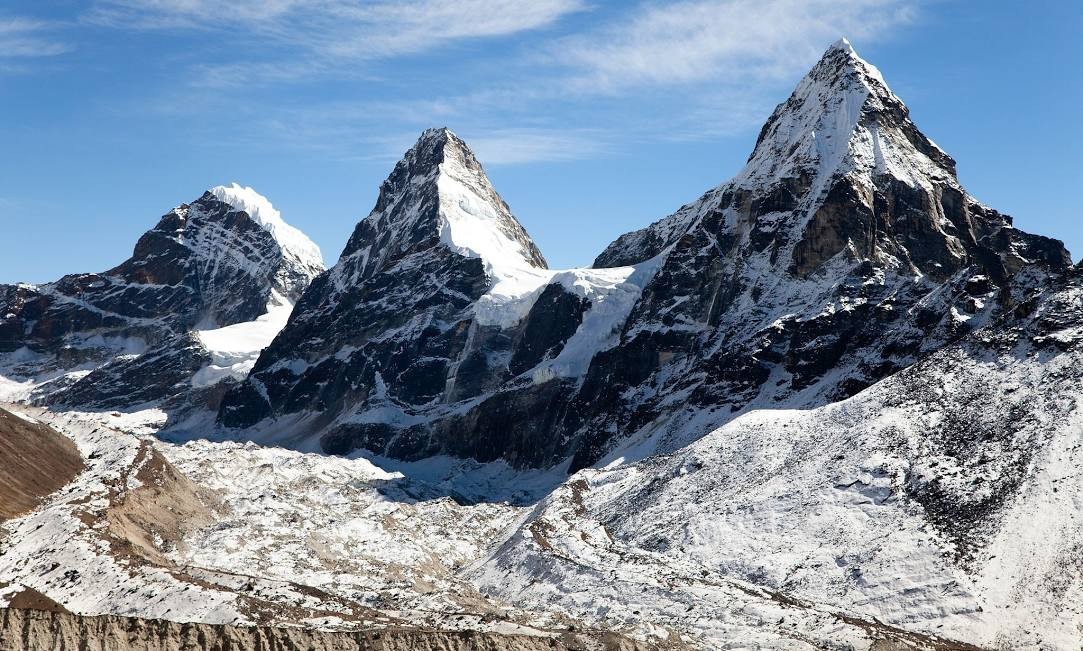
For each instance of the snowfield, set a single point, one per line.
(235, 348)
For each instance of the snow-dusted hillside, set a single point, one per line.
(945, 500)
(237, 533)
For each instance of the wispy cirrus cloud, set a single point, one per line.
(342, 29)
(666, 44)
(648, 71)
(23, 38)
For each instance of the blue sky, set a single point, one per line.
(592, 117)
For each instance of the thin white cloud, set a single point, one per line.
(520, 146)
(342, 28)
(654, 71)
(24, 38)
(732, 41)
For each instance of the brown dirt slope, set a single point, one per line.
(35, 460)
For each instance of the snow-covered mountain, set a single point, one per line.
(439, 330)
(203, 292)
(843, 252)
(832, 404)
(946, 500)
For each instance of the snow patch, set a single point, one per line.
(234, 349)
(292, 241)
(470, 223)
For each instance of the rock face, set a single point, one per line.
(35, 629)
(845, 251)
(222, 260)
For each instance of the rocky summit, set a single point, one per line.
(131, 336)
(844, 251)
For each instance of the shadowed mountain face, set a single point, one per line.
(125, 336)
(845, 251)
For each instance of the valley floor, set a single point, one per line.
(233, 534)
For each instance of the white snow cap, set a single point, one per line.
(842, 44)
(293, 242)
(474, 221)
(829, 124)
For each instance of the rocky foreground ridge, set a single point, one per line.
(61, 631)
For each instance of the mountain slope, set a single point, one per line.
(131, 335)
(37, 461)
(945, 499)
(845, 251)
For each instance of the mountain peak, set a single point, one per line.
(294, 243)
(474, 220)
(436, 134)
(841, 65)
(842, 44)
(844, 47)
(842, 117)
(439, 193)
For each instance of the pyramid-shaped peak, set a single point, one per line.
(437, 135)
(842, 116)
(433, 147)
(842, 44)
(432, 141)
(439, 193)
(842, 65)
